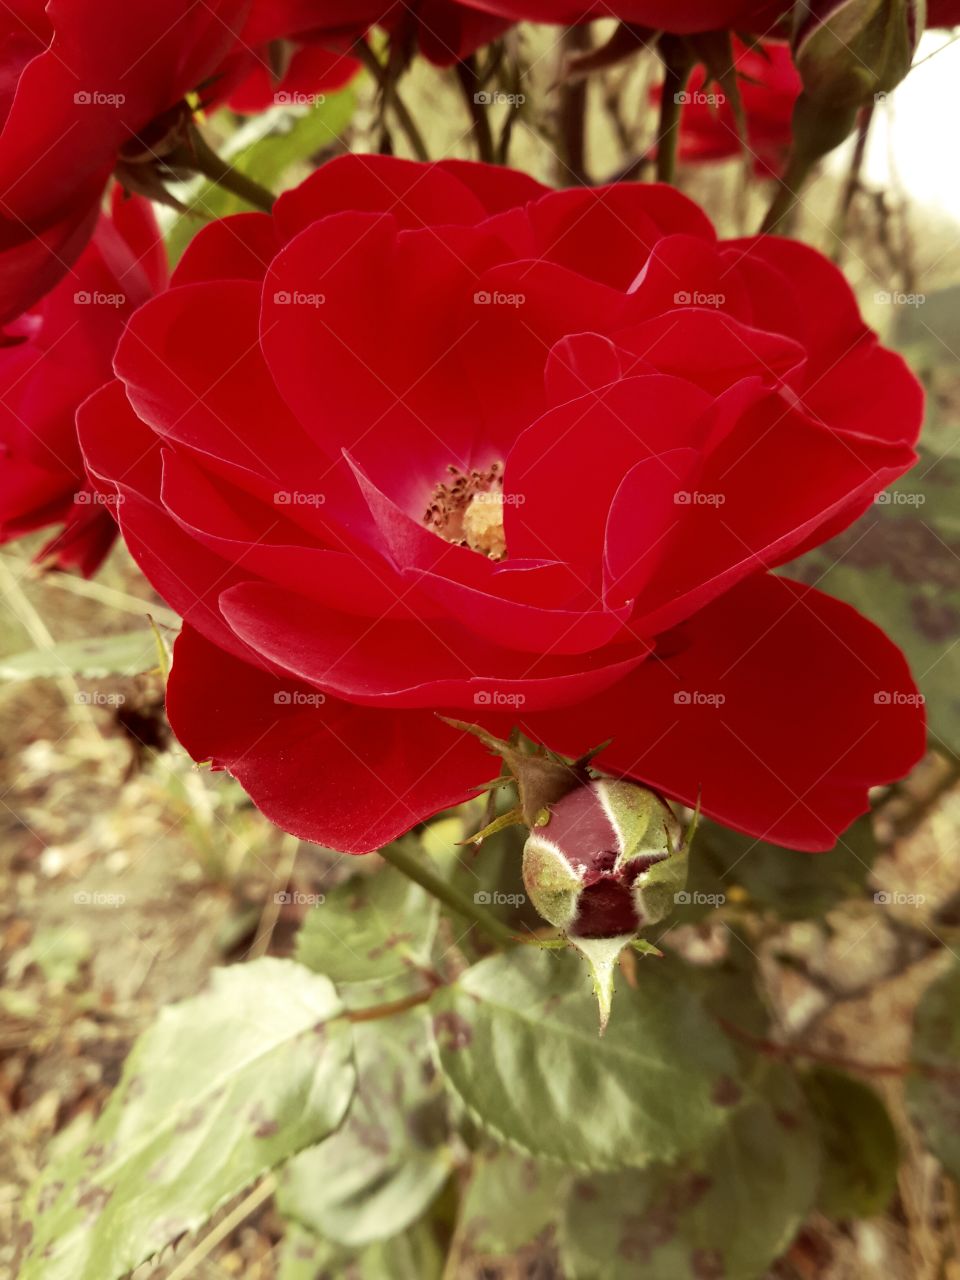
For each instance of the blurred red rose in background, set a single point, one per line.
(80, 82)
(432, 438)
(943, 13)
(769, 86)
(52, 358)
(681, 16)
(315, 36)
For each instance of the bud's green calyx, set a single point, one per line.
(604, 857)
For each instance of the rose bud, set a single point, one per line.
(606, 865)
(848, 51)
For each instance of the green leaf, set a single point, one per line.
(859, 1144)
(128, 653)
(518, 1044)
(510, 1203)
(414, 1255)
(900, 565)
(727, 1210)
(371, 936)
(727, 865)
(222, 1088)
(933, 1090)
(264, 148)
(378, 1173)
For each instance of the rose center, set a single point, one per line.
(467, 509)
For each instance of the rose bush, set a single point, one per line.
(768, 85)
(434, 438)
(52, 358)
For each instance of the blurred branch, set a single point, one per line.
(470, 81)
(572, 133)
(386, 81)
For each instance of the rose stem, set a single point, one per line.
(677, 65)
(573, 107)
(780, 214)
(418, 869)
(362, 51)
(470, 85)
(205, 160)
(852, 184)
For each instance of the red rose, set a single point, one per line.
(82, 80)
(943, 13)
(769, 86)
(680, 16)
(434, 438)
(53, 357)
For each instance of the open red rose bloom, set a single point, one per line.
(433, 438)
